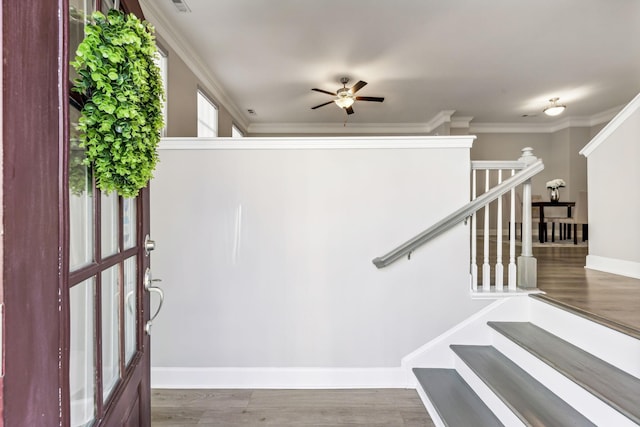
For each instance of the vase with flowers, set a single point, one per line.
(554, 189)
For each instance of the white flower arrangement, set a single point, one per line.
(556, 183)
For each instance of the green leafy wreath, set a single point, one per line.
(121, 120)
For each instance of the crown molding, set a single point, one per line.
(552, 127)
(339, 128)
(461, 122)
(439, 119)
(172, 37)
(353, 128)
(445, 116)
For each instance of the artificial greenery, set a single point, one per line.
(121, 120)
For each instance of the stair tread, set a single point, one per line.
(530, 401)
(457, 404)
(617, 388)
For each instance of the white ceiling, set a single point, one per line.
(492, 60)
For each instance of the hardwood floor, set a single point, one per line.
(607, 298)
(336, 408)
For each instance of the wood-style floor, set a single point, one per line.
(244, 408)
(610, 299)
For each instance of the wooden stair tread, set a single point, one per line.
(612, 385)
(530, 400)
(604, 321)
(457, 404)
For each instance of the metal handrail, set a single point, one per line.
(460, 215)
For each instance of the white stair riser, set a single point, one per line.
(614, 347)
(586, 403)
(493, 402)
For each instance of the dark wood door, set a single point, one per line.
(73, 259)
(108, 264)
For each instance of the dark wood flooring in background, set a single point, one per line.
(610, 299)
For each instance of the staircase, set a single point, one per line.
(526, 362)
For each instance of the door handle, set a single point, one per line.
(160, 293)
(148, 285)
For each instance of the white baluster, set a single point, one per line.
(474, 242)
(499, 280)
(527, 264)
(512, 240)
(486, 268)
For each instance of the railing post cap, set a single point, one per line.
(527, 156)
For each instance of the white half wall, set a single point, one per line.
(614, 197)
(264, 247)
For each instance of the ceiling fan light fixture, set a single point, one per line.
(345, 101)
(345, 98)
(554, 109)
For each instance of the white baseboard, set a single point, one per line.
(614, 266)
(279, 378)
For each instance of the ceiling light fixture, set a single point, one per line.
(345, 98)
(554, 108)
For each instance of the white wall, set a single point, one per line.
(265, 254)
(614, 197)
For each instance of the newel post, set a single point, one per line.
(527, 264)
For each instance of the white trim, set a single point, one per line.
(615, 266)
(406, 142)
(278, 378)
(555, 126)
(355, 128)
(622, 116)
(460, 122)
(425, 128)
(339, 128)
(439, 119)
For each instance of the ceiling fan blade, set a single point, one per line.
(369, 98)
(349, 110)
(356, 87)
(324, 91)
(322, 105)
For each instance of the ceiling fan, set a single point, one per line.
(345, 97)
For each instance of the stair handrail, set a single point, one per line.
(460, 215)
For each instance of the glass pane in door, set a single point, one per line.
(79, 13)
(131, 299)
(109, 223)
(82, 361)
(129, 222)
(80, 201)
(110, 330)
